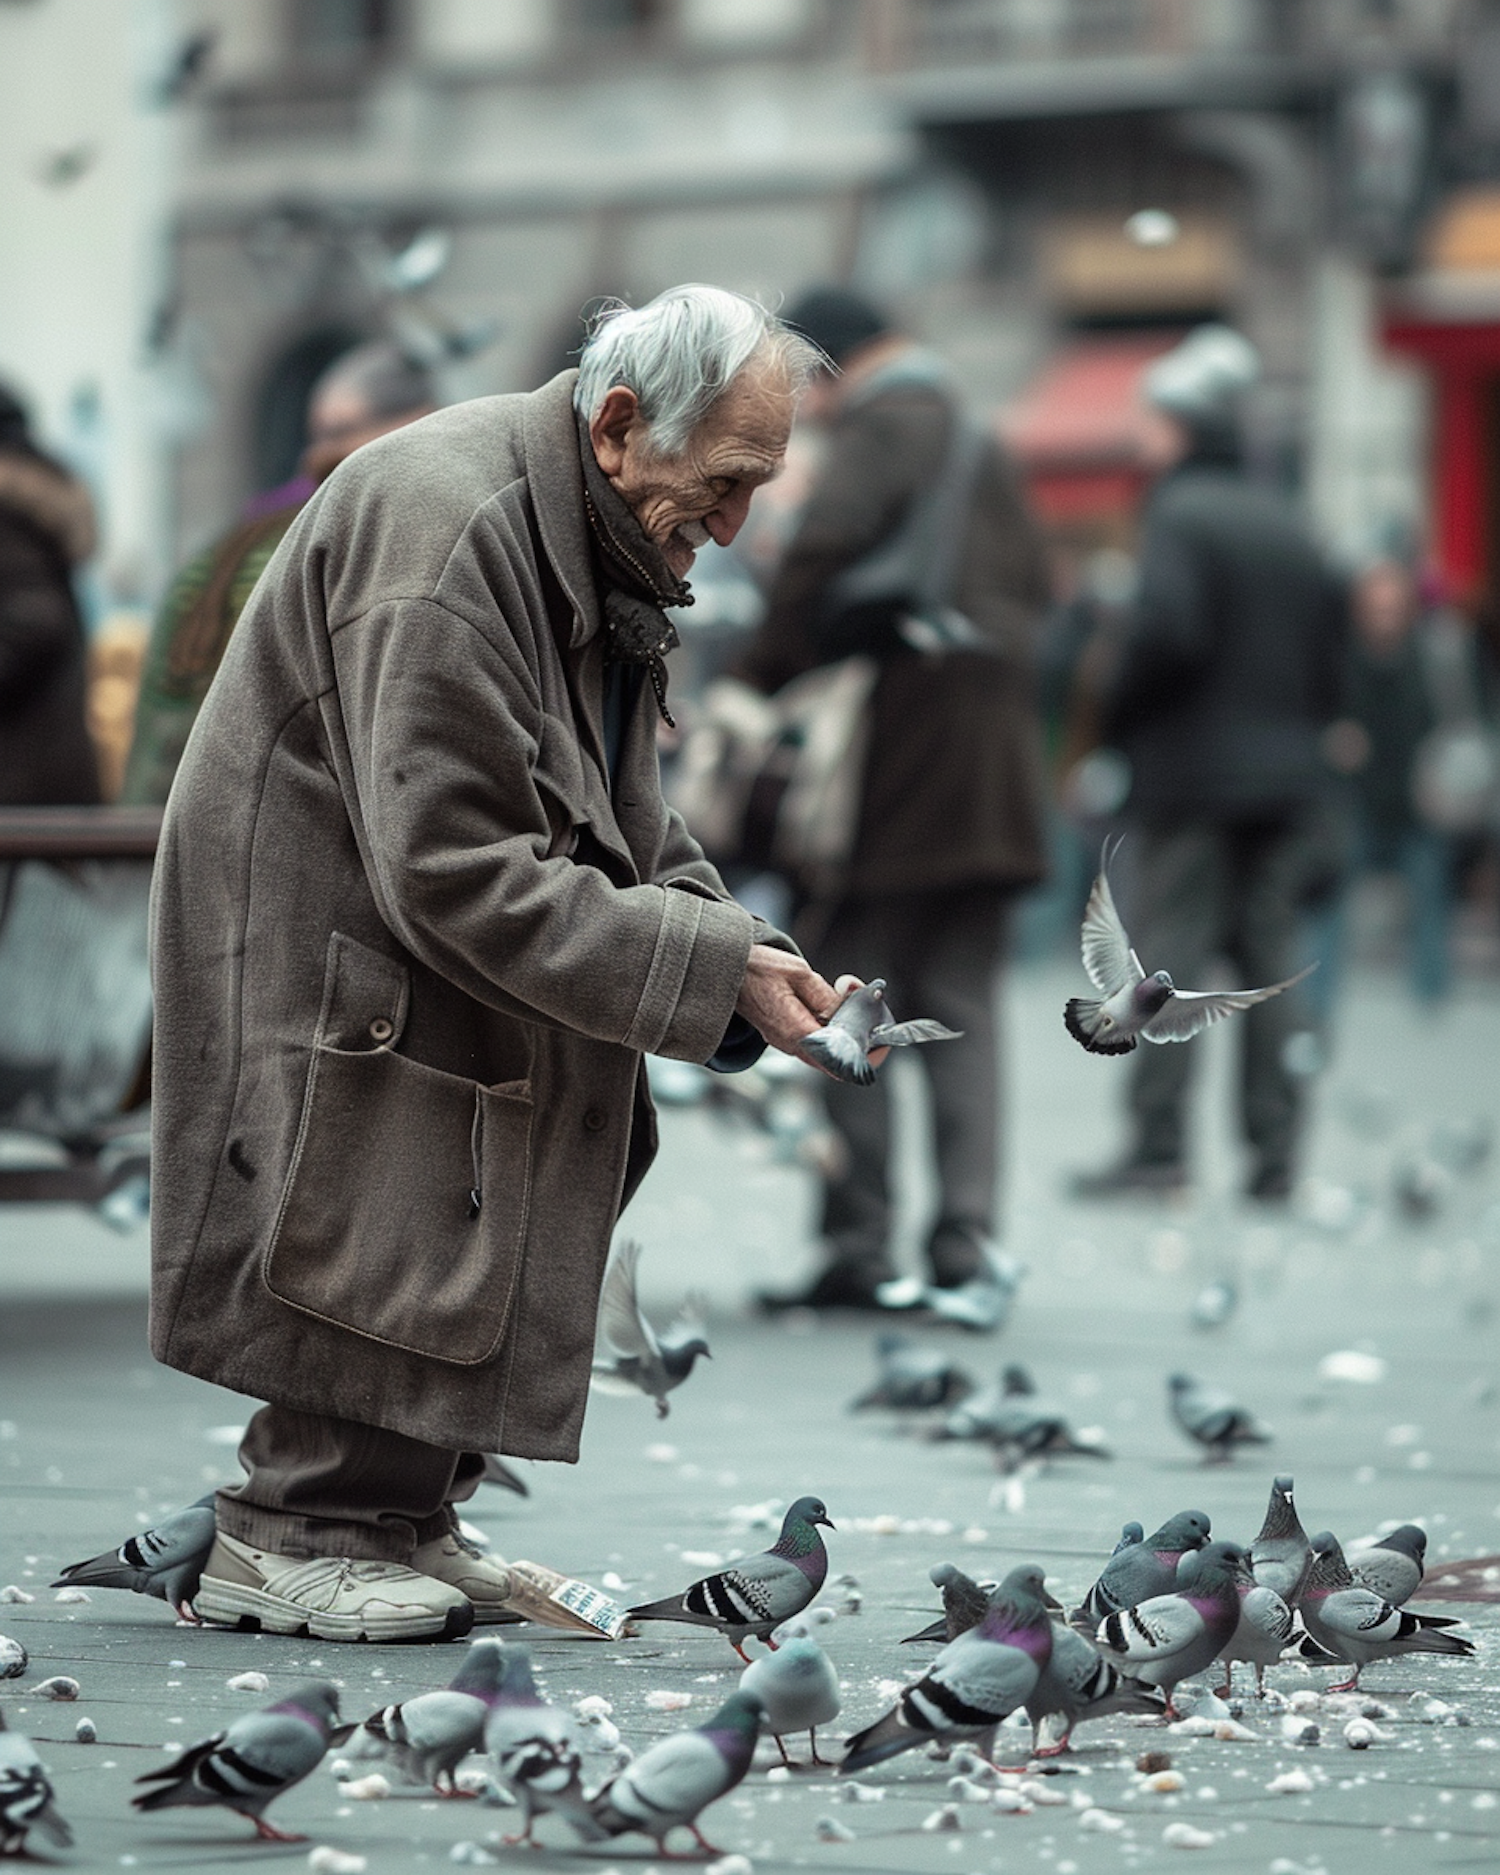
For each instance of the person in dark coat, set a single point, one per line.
(1229, 674)
(46, 530)
(949, 827)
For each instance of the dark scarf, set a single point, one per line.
(634, 577)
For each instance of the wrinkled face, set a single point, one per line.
(703, 493)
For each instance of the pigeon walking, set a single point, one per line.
(912, 1378)
(1393, 1567)
(254, 1759)
(974, 1684)
(1357, 1625)
(1077, 1684)
(535, 1750)
(757, 1593)
(1013, 1419)
(427, 1737)
(1133, 1006)
(965, 1604)
(640, 1360)
(1213, 1419)
(673, 1783)
(26, 1796)
(1261, 1635)
(1137, 1571)
(1171, 1637)
(1281, 1555)
(165, 1561)
(797, 1685)
(863, 1022)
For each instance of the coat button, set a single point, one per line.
(595, 1120)
(382, 1029)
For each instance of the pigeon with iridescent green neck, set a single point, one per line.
(757, 1593)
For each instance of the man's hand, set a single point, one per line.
(786, 999)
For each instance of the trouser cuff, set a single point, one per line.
(286, 1533)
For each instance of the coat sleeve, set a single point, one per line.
(1169, 635)
(440, 730)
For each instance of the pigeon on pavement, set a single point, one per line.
(427, 1737)
(1130, 1534)
(1013, 1419)
(1171, 1637)
(1133, 1006)
(757, 1593)
(912, 1378)
(1077, 1684)
(965, 1604)
(535, 1751)
(797, 1684)
(26, 1796)
(1213, 1419)
(165, 1561)
(1281, 1555)
(254, 1759)
(1137, 1571)
(1393, 1567)
(640, 1360)
(863, 1022)
(974, 1684)
(1359, 1626)
(1261, 1635)
(675, 1781)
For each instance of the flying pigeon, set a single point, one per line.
(863, 1022)
(1359, 1626)
(1213, 1419)
(757, 1593)
(535, 1750)
(797, 1684)
(1281, 1556)
(427, 1737)
(26, 1796)
(165, 1561)
(1077, 1684)
(974, 1684)
(1132, 1005)
(1261, 1635)
(675, 1781)
(640, 1360)
(1137, 1571)
(912, 1378)
(254, 1759)
(1393, 1567)
(1171, 1637)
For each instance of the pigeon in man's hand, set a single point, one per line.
(1213, 1419)
(254, 1759)
(535, 1750)
(672, 1784)
(757, 1593)
(165, 1561)
(1358, 1626)
(428, 1736)
(862, 1023)
(640, 1360)
(1133, 1006)
(26, 1796)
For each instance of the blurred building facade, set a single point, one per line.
(1049, 190)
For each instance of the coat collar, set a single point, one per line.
(555, 475)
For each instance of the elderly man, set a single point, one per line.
(420, 911)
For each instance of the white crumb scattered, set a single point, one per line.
(1186, 1836)
(1010, 1803)
(1360, 1734)
(60, 1686)
(975, 1535)
(593, 1706)
(662, 1454)
(368, 1789)
(665, 1699)
(1195, 1725)
(1354, 1365)
(727, 1865)
(86, 1732)
(330, 1861)
(889, 1689)
(473, 1778)
(251, 1682)
(864, 1793)
(1290, 1784)
(224, 1435)
(963, 1790)
(945, 1819)
(830, 1829)
(1103, 1822)
(11, 1593)
(14, 1659)
(1164, 1781)
(1043, 1792)
(1231, 1729)
(72, 1595)
(702, 1558)
(778, 1774)
(612, 1581)
(1303, 1700)
(471, 1855)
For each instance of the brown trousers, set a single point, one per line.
(320, 1486)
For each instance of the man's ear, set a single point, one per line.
(610, 427)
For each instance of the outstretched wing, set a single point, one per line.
(625, 1328)
(1107, 955)
(903, 1034)
(1187, 1013)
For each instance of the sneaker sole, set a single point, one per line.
(235, 1605)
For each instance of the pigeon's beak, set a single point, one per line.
(1049, 1600)
(827, 1522)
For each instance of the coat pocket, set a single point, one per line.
(404, 1214)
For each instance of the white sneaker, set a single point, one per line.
(332, 1598)
(485, 1581)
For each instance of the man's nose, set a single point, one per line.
(725, 521)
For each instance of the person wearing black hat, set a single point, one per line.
(915, 548)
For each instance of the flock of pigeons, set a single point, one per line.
(1164, 1608)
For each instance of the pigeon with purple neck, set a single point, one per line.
(1171, 1637)
(1137, 1571)
(1358, 1626)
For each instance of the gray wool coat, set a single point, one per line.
(409, 950)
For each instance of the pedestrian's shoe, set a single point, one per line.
(1132, 1178)
(331, 1598)
(1269, 1184)
(485, 1581)
(982, 1302)
(840, 1286)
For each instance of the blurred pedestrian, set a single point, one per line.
(370, 391)
(46, 530)
(1227, 679)
(949, 827)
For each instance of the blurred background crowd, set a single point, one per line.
(239, 237)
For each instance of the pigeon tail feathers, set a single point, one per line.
(1081, 1019)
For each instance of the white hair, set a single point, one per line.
(680, 352)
